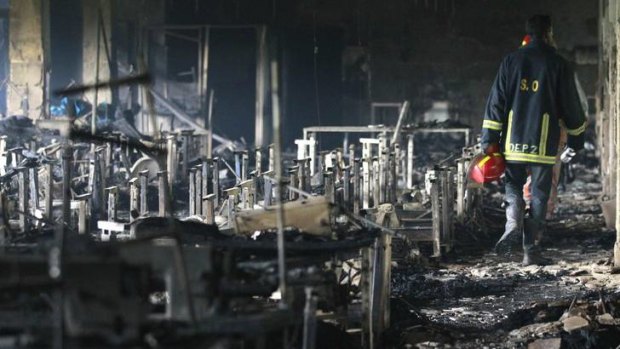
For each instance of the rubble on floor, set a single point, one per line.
(476, 299)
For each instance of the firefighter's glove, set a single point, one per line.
(567, 155)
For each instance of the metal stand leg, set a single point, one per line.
(356, 186)
(436, 208)
(134, 199)
(112, 203)
(49, 179)
(216, 180)
(209, 208)
(144, 185)
(24, 188)
(309, 337)
(192, 192)
(199, 193)
(162, 177)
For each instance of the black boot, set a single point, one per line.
(505, 244)
(532, 256)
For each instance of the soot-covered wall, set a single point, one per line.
(450, 50)
(392, 50)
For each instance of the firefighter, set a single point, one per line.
(557, 168)
(533, 93)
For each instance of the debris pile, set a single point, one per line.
(476, 299)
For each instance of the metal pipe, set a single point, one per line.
(67, 156)
(366, 295)
(16, 156)
(277, 146)
(309, 336)
(293, 182)
(210, 134)
(186, 136)
(215, 180)
(329, 186)
(271, 158)
(198, 187)
(24, 210)
(209, 208)
(410, 162)
(205, 176)
(366, 163)
(92, 172)
(301, 174)
(326, 161)
(436, 207)
(82, 217)
(351, 155)
(383, 169)
(246, 193)
(267, 189)
(312, 153)
(346, 186)
(338, 161)
(34, 187)
(252, 190)
(238, 169)
(393, 179)
(245, 163)
(460, 188)
(446, 199)
(107, 167)
(231, 208)
(162, 177)
(376, 192)
(171, 161)
(112, 203)
(93, 117)
(401, 117)
(258, 165)
(49, 199)
(134, 198)
(100, 180)
(144, 178)
(192, 192)
(397, 164)
(356, 186)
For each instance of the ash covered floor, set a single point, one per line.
(474, 298)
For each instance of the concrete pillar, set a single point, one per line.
(616, 130)
(90, 11)
(27, 57)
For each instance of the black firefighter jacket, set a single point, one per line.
(534, 94)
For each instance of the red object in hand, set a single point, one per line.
(487, 168)
(492, 149)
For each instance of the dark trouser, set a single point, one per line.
(516, 176)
